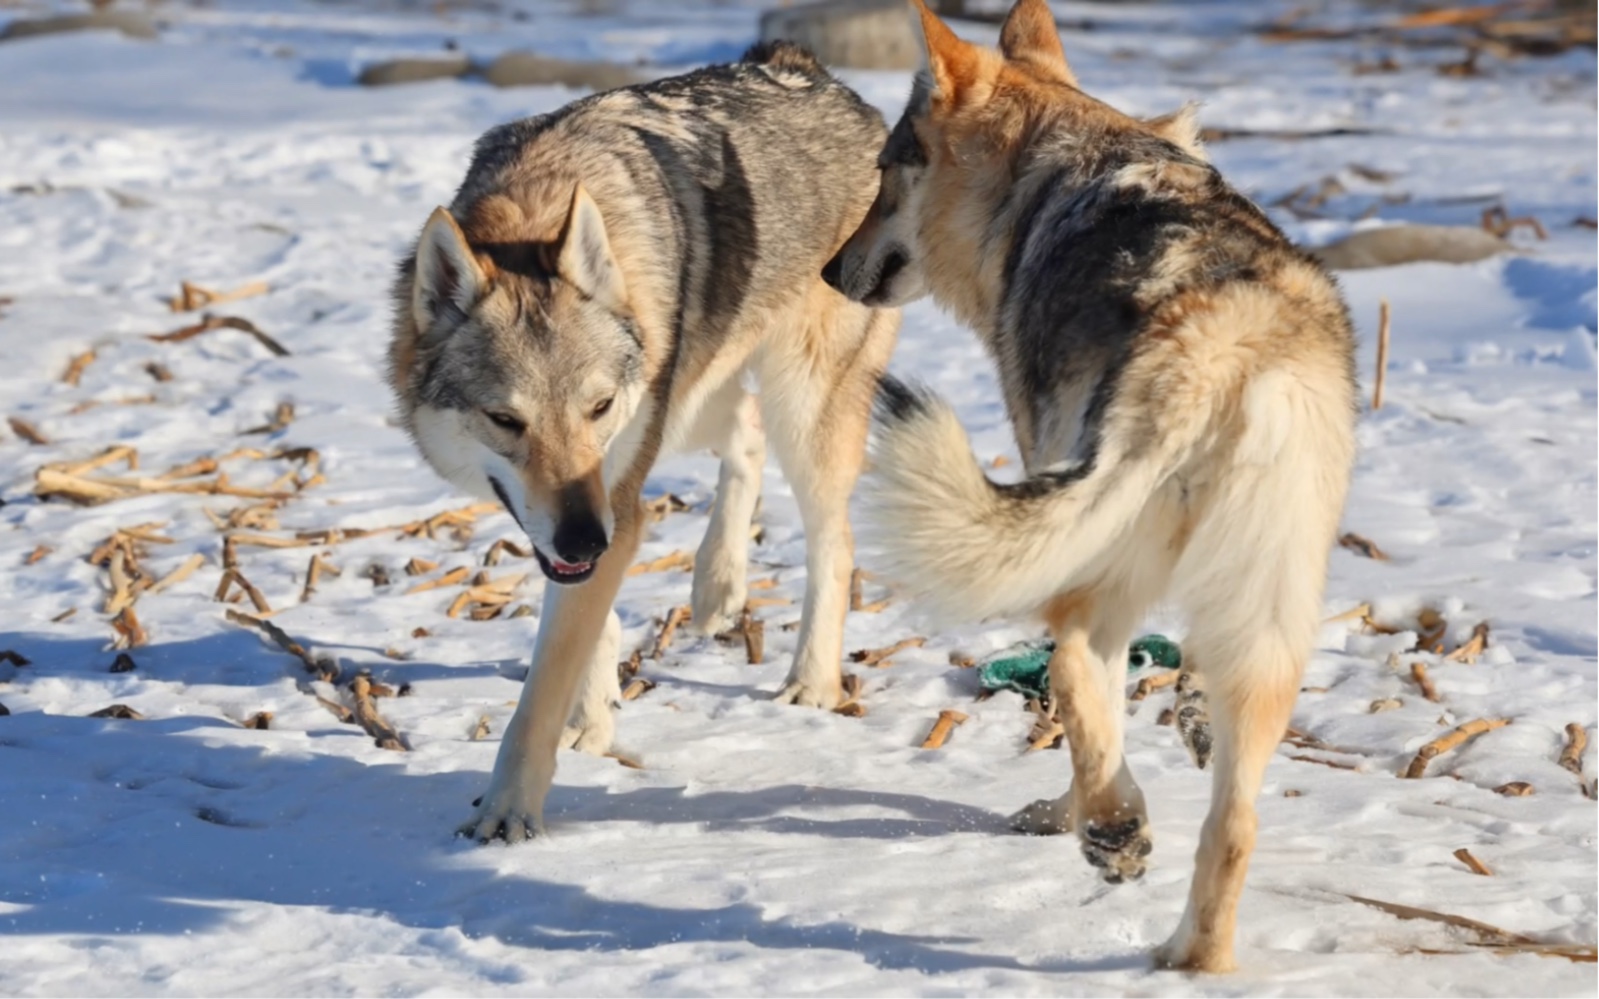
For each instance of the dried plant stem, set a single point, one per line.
(1450, 740)
(448, 579)
(77, 366)
(754, 630)
(366, 715)
(666, 563)
(1576, 745)
(947, 720)
(675, 619)
(1382, 354)
(210, 322)
(1473, 646)
(880, 657)
(1149, 684)
(1418, 673)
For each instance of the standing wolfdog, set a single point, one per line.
(1180, 382)
(592, 299)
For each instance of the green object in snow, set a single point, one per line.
(1024, 667)
(1154, 650)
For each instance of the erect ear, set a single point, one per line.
(448, 278)
(583, 254)
(1030, 36)
(953, 64)
(1181, 129)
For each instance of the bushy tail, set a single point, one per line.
(971, 548)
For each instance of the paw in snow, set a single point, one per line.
(719, 591)
(504, 813)
(1119, 847)
(1185, 952)
(811, 693)
(1193, 717)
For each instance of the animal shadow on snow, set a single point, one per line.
(164, 826)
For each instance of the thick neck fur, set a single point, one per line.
(991, 156)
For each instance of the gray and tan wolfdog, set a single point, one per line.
(594, 297)
(1180, 382)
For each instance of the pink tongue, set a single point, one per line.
(569, 567)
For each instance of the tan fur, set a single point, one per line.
(1219, 464)
(574, 276)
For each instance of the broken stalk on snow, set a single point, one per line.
(1576, 745)
(1362, 546)
(209, 322)
(1449, 740)
(192, 296)
(666, 563)
(851, 706)
(27, 431)
(675, 619)
(1149, 684)
(366, 715)
(880, 657)
(754, 630)
(1382, 354)
(1418, 673)
(947, 720)
(1473, 646)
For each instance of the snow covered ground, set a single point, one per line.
(764, 848)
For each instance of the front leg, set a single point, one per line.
(570, 630)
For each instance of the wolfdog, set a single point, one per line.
(1180, 383)
(594, 297)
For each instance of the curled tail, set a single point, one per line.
(971, 548)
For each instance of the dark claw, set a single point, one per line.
(1114, 838)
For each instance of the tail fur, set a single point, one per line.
(971, 548)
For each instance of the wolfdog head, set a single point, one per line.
(951, 161)
(526, 368)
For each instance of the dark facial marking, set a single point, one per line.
(903, 148)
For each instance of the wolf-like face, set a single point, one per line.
(951, 164)
(881, 264)
(530, 370)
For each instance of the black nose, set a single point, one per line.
(833, 271)
(580, 538)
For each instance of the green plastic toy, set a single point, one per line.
(1024, 667)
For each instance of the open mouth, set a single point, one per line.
(565, 573)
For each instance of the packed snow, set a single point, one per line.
(762, 848)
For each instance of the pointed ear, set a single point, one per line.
(1031, 37)
(583, 253)
(448, 278)
(952, 64)
(1181, 129)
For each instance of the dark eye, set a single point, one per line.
(505, 421)
(603, 408)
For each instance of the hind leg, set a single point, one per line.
(816, 397)
(1087, 681)
(1250, 698)
(732, 422)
